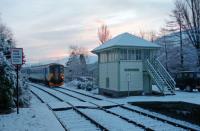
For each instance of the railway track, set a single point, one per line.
(122, 112)
(133, 110)
(83, 121)
(108, 126)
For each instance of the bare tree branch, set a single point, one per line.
(190, 13)
(104, 34)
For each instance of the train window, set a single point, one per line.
(191, 75)
(56, 70)
(185, 75)
(198, 75)
(179, 75)
(61, 69)
(51, 69)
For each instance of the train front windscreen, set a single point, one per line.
(57, 73)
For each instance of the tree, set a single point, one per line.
(165, 43)
(104, 34)
(151, 36)
(189, 11)
(7, 77)
(76, 64)
(6, 89)
(7, 72)
(147, 35)
(170, 46)
(174, 26)
(142, 34)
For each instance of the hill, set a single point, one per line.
(172, 47)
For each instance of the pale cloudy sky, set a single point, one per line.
(46, 28)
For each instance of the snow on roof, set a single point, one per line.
(126, 40)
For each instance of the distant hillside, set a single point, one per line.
(90, 60)
(173, 49)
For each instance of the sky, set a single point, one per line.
(46, 28)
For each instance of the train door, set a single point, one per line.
(46, 74)
(134, 76)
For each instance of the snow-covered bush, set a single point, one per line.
(24, 93)
(85, 83)
(8, 73)
(7, 85)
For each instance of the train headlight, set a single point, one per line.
(62, 77)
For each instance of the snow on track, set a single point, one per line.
(75, 101)
(66, 98)
(56, 93)
(101, 103)
(111, 122)
(72, 88)
(144, 120)
(97, 114)
(38, 117)
(74, 121)
(59, 105)
(196, 127)
(44, 96)
(86, 98)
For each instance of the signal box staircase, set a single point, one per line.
(160, 75)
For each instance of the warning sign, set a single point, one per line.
(16, 56)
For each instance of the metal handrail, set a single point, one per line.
(162, 78)
(171, 86)
(149, 66)
(164, 72)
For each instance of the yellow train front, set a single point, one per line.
(51, 74)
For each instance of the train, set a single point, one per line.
(188, 80)
(49, 74)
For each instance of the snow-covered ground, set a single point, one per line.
(147, 121)
(74, 121)
(35, 118)
(39, 117)
(111, 122)
(190, 97)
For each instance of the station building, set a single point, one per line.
(127, 65)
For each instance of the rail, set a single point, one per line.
(154, 74)
(140, 112)
(73, 107)
(166, 74)
(130, 109)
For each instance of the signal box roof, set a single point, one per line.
(125, 40)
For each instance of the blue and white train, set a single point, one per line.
(50, 74)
